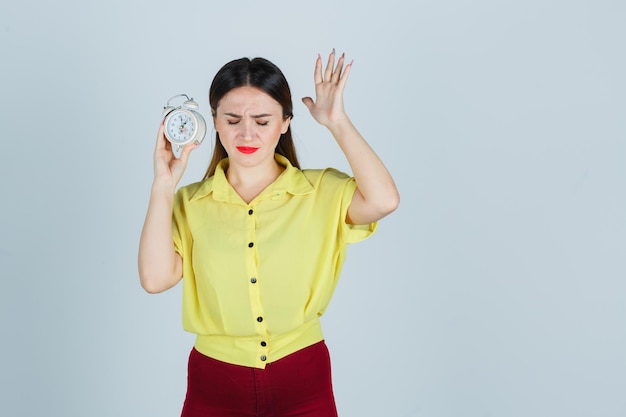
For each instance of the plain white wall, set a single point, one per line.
(497, 288)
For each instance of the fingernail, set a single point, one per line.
(333, 51)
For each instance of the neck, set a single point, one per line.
(248, 182)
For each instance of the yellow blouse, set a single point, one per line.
(257, 276)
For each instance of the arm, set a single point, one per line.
(160, 267)
(376, 194)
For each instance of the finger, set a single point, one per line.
(337, 73)
(308, 102)
(329, 66)
(317, 76)
(344, 76)
(186, 151)
(161, 142)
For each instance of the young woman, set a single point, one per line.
(260, 242)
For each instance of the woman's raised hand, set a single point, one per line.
(329, 85)
(168, 170)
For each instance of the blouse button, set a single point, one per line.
(263, 358)
(259, 319)
(250, 212)
(253, 280)
(250, 244)
(263, 344)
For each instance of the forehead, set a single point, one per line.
(242, 100)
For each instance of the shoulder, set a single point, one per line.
(318, 177)
(330, 184)
(197, 189)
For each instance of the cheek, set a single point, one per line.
(225, 137)
(227, 132)
(276, 135)
(219, 127)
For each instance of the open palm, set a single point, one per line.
(328, 105)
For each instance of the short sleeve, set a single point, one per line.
(179, 223)
(352, 233)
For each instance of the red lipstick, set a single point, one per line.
(246, 149)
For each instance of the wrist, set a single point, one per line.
(163, 188)
(340, 126)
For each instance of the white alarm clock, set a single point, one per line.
(183, 124)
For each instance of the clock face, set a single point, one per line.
(180, 127)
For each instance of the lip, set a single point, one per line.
(246, 149)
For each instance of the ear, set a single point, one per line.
(285, 125)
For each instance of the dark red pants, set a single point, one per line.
(296, 385)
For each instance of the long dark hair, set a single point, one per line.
(264, 75)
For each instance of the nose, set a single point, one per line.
(248, 130)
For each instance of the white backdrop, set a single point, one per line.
(496, 289)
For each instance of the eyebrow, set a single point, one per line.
(254, 116)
